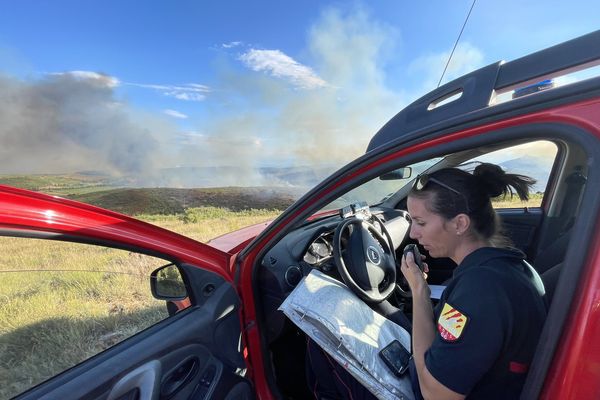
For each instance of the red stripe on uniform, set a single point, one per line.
(518, 368)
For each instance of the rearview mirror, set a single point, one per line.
(167, 283)
(400, 173)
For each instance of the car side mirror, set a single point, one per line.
(167, 283)
(400, 173)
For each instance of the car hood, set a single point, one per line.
(234, 242)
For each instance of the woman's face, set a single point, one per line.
(430, 230)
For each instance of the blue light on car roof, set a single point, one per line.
(533, 88)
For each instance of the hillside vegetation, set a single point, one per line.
(99, 191)
(168, 201)
(61, 185)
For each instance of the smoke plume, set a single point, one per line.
(317, 109)
(66, 123)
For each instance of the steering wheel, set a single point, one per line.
(368, 265)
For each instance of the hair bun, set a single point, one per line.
(491, 179)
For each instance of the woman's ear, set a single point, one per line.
(462, 222)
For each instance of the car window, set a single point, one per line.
(61, 303)
(534, 159)
(378, 189)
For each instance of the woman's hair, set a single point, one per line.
(471, 194)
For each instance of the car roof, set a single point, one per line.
(476, 91)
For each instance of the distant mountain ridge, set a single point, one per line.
(534, 167)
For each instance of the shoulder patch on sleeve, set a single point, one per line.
(451, 323)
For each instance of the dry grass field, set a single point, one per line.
(61, 303)
(535, 200)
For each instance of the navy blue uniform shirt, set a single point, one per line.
(488, 323)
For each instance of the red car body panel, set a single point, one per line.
(22, 211)
(584, 115)
(234, 242)
(575, 371)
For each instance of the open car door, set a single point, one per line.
(104, 346)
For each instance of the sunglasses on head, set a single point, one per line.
(422, 180)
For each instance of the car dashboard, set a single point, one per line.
(309, 247)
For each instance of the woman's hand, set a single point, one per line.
(412, 273)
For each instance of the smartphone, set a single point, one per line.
(396, 357)
(412, 248)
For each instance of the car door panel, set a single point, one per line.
(191, 355)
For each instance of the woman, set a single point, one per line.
(480, 339)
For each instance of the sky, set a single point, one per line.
(135, 89)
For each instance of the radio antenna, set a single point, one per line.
(456, 43)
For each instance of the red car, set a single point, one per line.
(227, 339)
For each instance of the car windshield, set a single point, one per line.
(377, 190)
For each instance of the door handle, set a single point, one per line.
(181, 376)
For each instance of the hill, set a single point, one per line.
(58, 184)
(102, 191)
(175, 201)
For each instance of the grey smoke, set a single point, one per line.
(70, 122)
(327, 124)
(62, 123)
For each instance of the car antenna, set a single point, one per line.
(456, 43)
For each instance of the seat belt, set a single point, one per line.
(575, 183)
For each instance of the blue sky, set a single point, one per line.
(130, 87)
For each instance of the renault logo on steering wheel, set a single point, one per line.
(373, 255)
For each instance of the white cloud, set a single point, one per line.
(175, 114)
(283, 66)
(97, 78)
(231, 44)
(188, 92)
(199, 87)
(187, 96)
